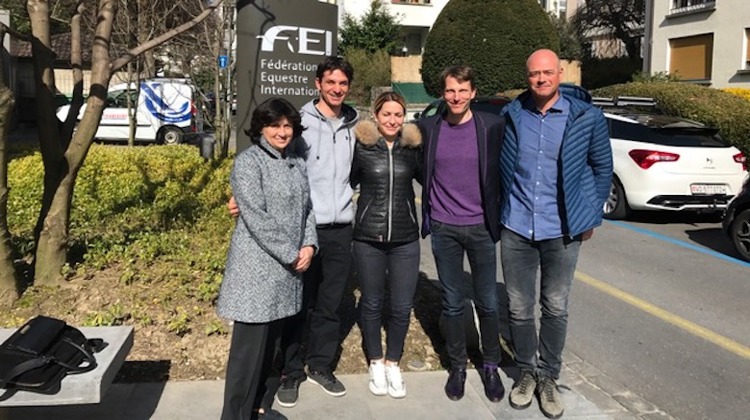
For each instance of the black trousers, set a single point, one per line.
(251, 354)
(325, 282)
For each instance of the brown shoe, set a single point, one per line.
(549, 398)
(523, 391)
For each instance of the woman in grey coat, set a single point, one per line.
(273, 242)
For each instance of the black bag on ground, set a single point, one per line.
(40, 353)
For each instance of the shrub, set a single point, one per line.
(495, 37)
(725, 111)
(127, 201)
(370, 70)
(744, 93)
(599, 72)
(376, 30)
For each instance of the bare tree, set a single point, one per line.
(63, 151)
(621, 20)
(197, 51)
(8, 276)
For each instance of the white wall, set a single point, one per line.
(412, 14)
(727, 22)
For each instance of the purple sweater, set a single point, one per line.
(456, 198)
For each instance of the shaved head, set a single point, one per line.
(543, 55)
(543, 73)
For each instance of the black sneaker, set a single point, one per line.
(454, 387)
(288, 392)
(268, 415)
(328, 382)
(493, 386)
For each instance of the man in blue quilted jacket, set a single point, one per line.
(555, 174)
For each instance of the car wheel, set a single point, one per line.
(171, 135)
(740, 234)
(616, 207)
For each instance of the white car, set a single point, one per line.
(668, 163)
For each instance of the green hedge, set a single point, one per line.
(725, 111)
(137, 202)
(495, 37)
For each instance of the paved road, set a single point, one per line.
(662, 307)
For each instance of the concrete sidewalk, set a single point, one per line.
(425, 400)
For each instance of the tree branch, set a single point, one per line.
(15, 34)
(124, 59)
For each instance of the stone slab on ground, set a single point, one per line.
(84, 388)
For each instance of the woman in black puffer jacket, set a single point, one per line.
(387, 159)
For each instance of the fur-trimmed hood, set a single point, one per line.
(367, 133)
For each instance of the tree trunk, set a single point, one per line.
(52, 246)
(62, 156)
(8, 281)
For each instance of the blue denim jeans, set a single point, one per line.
(449, 243)
(521, 260)
(378, 264)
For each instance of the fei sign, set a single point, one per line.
(279, 46)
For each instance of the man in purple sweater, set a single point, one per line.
(460, 209)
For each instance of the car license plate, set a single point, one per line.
(708, 189)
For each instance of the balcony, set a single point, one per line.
(687, 7)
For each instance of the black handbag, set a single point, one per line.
(40, 353)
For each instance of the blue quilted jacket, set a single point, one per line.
(584, 167)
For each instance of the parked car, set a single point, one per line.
(492, 104)
(736, 221)
(661, 162)
(667, 163)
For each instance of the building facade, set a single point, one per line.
(558, 8)
(700, 41)
(415, 17)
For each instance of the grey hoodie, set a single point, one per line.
(329, 162)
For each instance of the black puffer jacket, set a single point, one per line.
(386, 210)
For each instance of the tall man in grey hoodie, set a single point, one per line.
(328, 134)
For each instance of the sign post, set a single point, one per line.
(223, 61)
(279, 46)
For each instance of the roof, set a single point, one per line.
(414, 93)
(60, 46)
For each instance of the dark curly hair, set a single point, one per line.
(270, 111)
(332, 63)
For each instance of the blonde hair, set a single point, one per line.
(387, 97)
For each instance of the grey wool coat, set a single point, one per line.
(276, 220)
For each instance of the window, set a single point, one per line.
(691, 57)
(679, 136)
(119, 98)
(680, 6)
(747, 48)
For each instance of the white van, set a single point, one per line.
(166, 112)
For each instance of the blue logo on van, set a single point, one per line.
(160, 109)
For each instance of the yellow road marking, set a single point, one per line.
(692, 328)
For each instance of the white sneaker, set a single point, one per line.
(396, 387)
(378, 383)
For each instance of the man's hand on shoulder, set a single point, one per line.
(234, 210)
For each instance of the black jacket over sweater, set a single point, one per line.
(385, 210)
(490, 129)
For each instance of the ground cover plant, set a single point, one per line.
(149, 234)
